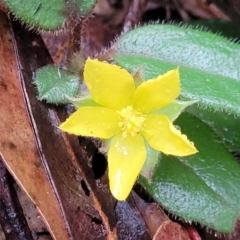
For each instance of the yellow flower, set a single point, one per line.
(128, 116)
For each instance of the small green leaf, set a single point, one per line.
(203, 187)
(174, 109)
(44, 14)
(82, 101)
(53, 84)
(208, 63)
(225, 125)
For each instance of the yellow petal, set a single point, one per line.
(93, 122)
(163, 136)
(157, 93)
(126, 157)
(109, 85)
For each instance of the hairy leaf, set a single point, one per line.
(225, 125)
(44, 14)
(203, 187)
(54, 84)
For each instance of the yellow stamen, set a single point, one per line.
(131, 121)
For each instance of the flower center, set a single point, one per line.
(131, 121)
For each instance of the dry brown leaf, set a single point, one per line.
(38, 154)
(17, 142)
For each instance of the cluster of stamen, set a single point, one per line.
(131, 121)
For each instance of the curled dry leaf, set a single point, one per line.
(151, 213)
(159, 225)
(171, 230)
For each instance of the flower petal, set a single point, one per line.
(126, 157)
(163, 136)
(109, 85)
(93, 122)
(157, 93)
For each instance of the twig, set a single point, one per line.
(2, 6)
(184, 15)
(135, 13)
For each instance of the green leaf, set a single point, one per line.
(44, 14)
(208, 63)
(203, 187)
(225, 125)
(47, 14)
(53, 84)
